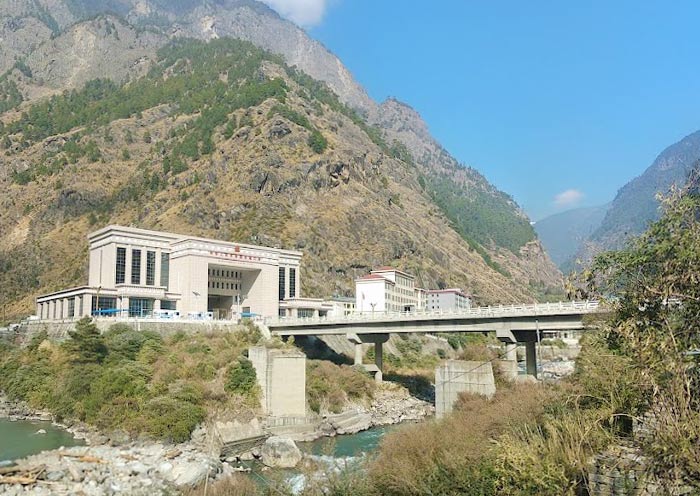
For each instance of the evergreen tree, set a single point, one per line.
(86, 343)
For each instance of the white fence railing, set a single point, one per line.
(527, 310)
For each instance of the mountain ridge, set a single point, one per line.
(521, 261)
(636, 204)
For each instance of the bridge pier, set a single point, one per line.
(378, 340)
(531, 358)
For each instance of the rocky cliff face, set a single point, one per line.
(370, 197)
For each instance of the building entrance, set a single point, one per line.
(220, 306)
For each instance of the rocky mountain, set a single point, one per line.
(636, 204)
(564, 233)
(225, 140)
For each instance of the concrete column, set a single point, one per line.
(157, 273)
(156, 303)
(127, 268)
(510, 351)
(87, 305)
(125, 306)
(358, 353)
(378, 360)
(531, 358)
(144, 262)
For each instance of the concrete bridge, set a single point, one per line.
(514, 324)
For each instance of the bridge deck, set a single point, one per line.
(541, 316)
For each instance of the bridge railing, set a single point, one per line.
(534, 309)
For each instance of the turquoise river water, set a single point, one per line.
(19, 439)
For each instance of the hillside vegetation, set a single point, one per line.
(134, 381)
(222, 139)
(143, 384)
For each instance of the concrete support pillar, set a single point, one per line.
(378, 360)
(358, 354)
(378, 340)
(76, 307)
(125, 307)
(156, 303)
(531, 358)
(510, 351)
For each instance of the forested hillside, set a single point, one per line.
(223, 139)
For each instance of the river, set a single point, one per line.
(19, 439)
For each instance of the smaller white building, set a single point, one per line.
(385, 290)
(341, 306)
(447, 300)
(422, 299)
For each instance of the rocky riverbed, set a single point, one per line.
(112, 463)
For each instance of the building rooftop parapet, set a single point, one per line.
(457, 291)
(176, 240)
(379, 270)
(373, 277)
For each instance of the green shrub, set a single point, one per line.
(172, 419)
(241, 378)
(125, 343)
(317, 141)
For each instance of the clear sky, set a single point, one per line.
(545, 98)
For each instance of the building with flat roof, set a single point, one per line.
(448, 300)
(138, 272)
(385, 290)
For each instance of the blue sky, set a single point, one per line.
(543, 97)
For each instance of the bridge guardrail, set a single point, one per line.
(573, 307)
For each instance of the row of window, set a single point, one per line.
(120, 269)
(224, 285)
(230, 274)
(292, 283)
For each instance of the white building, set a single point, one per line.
(341, 306)
(136, 272)
(447, 300)
(422, 299)
(385, 290)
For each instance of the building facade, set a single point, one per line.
(341, 306)
(139, 273)
(447, 300)
(385, 290)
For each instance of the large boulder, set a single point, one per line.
(280, 452)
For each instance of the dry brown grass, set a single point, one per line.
(236, 485)
(452, 456)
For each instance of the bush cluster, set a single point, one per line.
(130, 380)
(329, 387)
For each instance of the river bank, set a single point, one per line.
(111, 463)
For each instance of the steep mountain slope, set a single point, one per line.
(224, 140)
(564, 233)
(123, 51)
(75, 43)
(636, 204)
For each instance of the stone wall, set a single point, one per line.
(623, 470)
(458, 376)
(59, 330)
